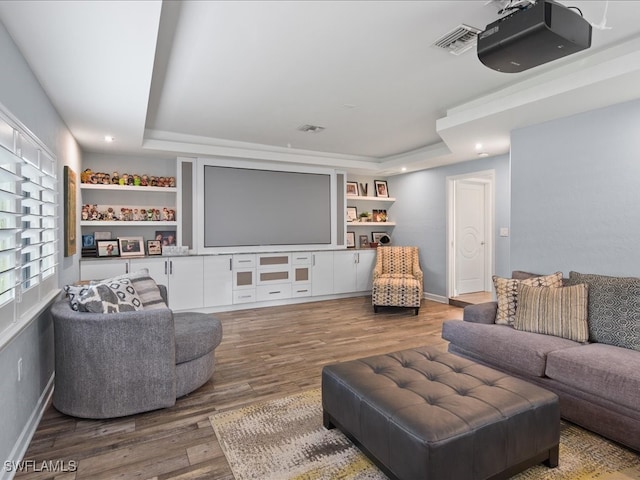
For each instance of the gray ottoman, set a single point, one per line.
(427, 414)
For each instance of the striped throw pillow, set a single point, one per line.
(507, 293)
(561, 312)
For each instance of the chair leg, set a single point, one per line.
(375, 309)
(417, 308)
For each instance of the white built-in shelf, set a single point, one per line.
(106, 223)
(368, 198)
(371, 224)
(126, 188)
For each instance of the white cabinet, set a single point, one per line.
(183, 277)
(301, 264)
(100, 269)
(353, 270)
(218, 280)
(244, 278)
(322, 273)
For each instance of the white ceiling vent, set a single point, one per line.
(310, 128)
(459, 40)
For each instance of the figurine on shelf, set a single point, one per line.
(115, 178)
(106, 179)
(123, 179)
(95, 215)
(136, 215)
(172, 215)
(85, 212)
(144, 180)
(153, 181)
(165, 214)
(129, 180)
(136, 179)
(172, 181)
(110, 214)
(150, 215)
(143, 214)
(85, 176)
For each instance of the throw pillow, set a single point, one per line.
(614, 309)
(145, 286)
(110, 297)
(73, 294)
(559, 311)
(507, 293)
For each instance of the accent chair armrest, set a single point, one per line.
(481, 313)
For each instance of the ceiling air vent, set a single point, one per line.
(310, 128)
(459, 40)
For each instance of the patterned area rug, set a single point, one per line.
(284, 439)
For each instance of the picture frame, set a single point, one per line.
(88, 241)
(381, 188)
(70, 211)
(167, 238)
(351, 240)
(375, 236)
(352, 189)
(364, 241)
(379, 215)
(154, 247)
(131, 246)
(108, 248)
(352, 214)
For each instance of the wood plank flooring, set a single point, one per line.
(265, 353)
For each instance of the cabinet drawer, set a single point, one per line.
(301, 291)
(273, 292)
(301, 258)
(244, 261)
(273, 276)
(270, 260)
(244, 296)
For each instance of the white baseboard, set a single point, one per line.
(20, 448)
(435, 298)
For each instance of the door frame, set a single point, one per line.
(488, 177)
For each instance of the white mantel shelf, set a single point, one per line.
(371, 199)
(371, 224)
(126, 188)
(107, 223)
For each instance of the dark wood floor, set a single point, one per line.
(265, 353)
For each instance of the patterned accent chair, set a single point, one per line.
(397, 278)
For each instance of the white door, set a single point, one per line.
(470, 198)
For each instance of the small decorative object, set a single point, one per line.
(85, 176)
(352, 188)
(375, 236)
(172, 181)
(154, 247)
(124, 179)
(88, 241)
(381, 188)
(385, 239)
(166, 238)
(352, 214)
(102, 235)
(365, 217)
(136, 179)
(131, 246)
(115, 178)
(351, 240)
(373, 244)
(144, 181)
(108, 248)
(175, 250)
(364, 187)
(364, 241)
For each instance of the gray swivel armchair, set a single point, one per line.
(118, 364)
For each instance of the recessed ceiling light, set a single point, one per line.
(483, 154)
(108, 138)
(478, 146)
(404, 169)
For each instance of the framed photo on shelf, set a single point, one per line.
(381, 188)
(88, 241)
(352, 189)
(108, 248)
(131, 246)
(154, 247)
(379, 215)
(167, 238)
(375, 236)
(351, 240)
(352, 214)
(364, 241)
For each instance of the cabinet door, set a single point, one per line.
(322, 273)
(186, 275)
(218, 280)
(101, 269)
(344, 271)
(158, 268)
(364, 269)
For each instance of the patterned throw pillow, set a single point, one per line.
(112, 296)
(560, 311)
(145, 286)
(507, 293)
(73, 294)
(614, 309)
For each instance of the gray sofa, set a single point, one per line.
(598, 383)
(116, 364)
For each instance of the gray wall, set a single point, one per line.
(23, 96)
(576, 194)
(420, 212)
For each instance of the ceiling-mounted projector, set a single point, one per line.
(538, 34)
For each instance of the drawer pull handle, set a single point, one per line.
(273, 293)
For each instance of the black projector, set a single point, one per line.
(543, 32)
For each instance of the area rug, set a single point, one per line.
(284, 439)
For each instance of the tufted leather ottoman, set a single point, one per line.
(427, 414)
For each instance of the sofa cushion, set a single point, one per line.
(614, 309)
(196, 335)
(146, 287)
(507, 293)
(606, 371)
(109, 297)
(503, 346)
(561, 311)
